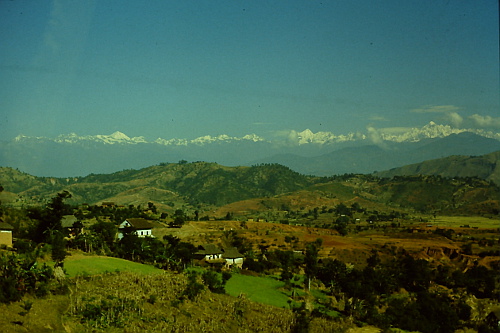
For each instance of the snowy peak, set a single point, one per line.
(430, 131)
(115, 138)
(119, 136)
(309, 137)
(293, 138)
(207, 139)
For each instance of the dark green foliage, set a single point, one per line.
(105, 231)
(179, 254)
(130, 247)
(116, 215)
(193, 287)
(480, 281)
(369, 289)
(302, 319)
(109, 312)
(26, 306)
(374, 260)
(48, 220)
(311, 261)
(415, 274)
(177, 222)
(429, 313)
(170, 253)
(58, 248)
(215, 281)
(21, 275)
(152, 299)
(253, 265)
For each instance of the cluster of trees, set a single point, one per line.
(115, 214)
(344, 217)
(372, 294)
(21, 274)
(47, 227)
(171, 253)
(377, 286)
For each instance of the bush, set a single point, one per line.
(110, 311)
(193, 287)
(21, 275)
(429, 313)
(216, 281)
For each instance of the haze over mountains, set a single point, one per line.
(321, 153)
(485, 167)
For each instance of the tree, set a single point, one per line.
(333, 273)
(342, 209)
(152, 207)
(58, 248)
(48, 220)
(373, 260)
(215, 281)
(179, 219)
(48, 227)
(106, 232)
(311, 261)
(193, 287)
(129, 246)
(415, 274)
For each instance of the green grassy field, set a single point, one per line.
(264, 290)
(457, 221)
(100, 265)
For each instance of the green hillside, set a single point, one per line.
(198, 182)
(205, 186)
(485, 167)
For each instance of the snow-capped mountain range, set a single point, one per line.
(320, 153)
(429, 131)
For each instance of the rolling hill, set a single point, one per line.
(485, 167)
(210, 187)
(194, 183)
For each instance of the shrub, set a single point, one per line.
(193, 287)
(21, 275)
(215, 281)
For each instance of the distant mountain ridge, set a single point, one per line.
(484, 167)
(371, 158)
(320, 154)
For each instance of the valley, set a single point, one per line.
(345, 253)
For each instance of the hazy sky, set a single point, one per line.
(185, 69)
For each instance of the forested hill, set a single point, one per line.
(485, 167)
(206, 185)
(198, 182)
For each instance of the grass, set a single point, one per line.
(264, 290)
(457, 221)
(267, 290)
(100, 265)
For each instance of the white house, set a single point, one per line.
(214, 255)
(139, 226)
(209, 252)
(233, 258)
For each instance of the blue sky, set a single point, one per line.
(183, 69)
